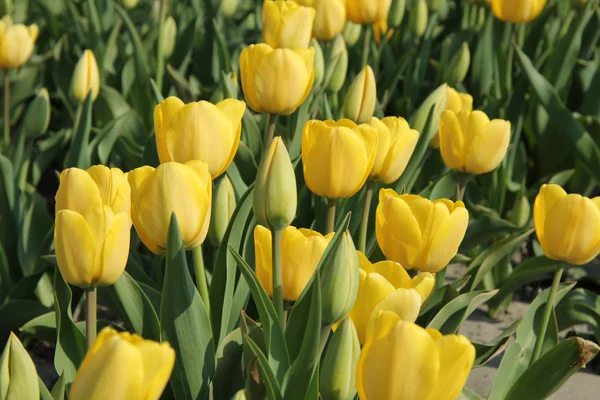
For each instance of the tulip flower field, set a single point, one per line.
(298, 200)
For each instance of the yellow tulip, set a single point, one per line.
(387, 286)
(330, 17)
(93, 223)
(276, 81)
(471, 143)
(123, 366)
(567, 225)
(401, 360)
(419, 233)
(199, 131)
(337, 157)
(367, 12)
(301, 252)
(86, 77)
(16, 43)
(395, 146)
(359, 103)
(286, 24)
(18, 376)
(455, 102)
(517, 11)
(183, 189)
(381, 31)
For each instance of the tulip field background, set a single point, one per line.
(99, 87)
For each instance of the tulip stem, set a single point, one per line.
(270, 129)
(160, 60)
(330, 223)
(200, 276)
(365, 49)
(462, 186)
(6, 109)
(90, 322)
(547, 314)
(277, 274)
(362, 240)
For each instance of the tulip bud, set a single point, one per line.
(338, 370)
(517, 11)
(337, 64)
(223, 207)
(396, 13)
(37, 118)
(459, 65)
(275, 197)
(352, 33)
(418, 17)
(229, 7)
(169, 37)
(319, 62)
(86, 77)
(240, 395)
(437, 99)
(130, 3)
(361, 97)
(18, 376)
(437, 5)
(521, 212)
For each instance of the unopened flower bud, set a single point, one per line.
(418, 18)
(338, 370)
(352, 33)
(18, 376)
(319, 62)
(37, 118)
(337, 64)
(459, 65)
(169, 37)
(396, 13)
(223, 207)
(361, 97)
(86, 77)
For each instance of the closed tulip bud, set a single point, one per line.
(337, 380)
(240, 395)
(419, 233)
(471, 143)
(437, 100)
(287, 24)
(396, 144)
(367, 12)
(183, 189)
(352, 33)
(319, 62)
(437, 5)
(93, 224)
(199, 131)
(16, 43)
(567, 225)
(229, 7)
(274, 199)
(361, 97)
(169, 37)
(18, 376)
(123, 366)
(517, 11)
(456, 102)
(223, 206)
(459, 65)
(337, 157)
(86, 77)
(396, 14)
(521, 212)
(337, 64)
(301, 251)
(276, 81)
(130, 3)
(418, 18)
(37, 117)
(401, 360)
(330, 16)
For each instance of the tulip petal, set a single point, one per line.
(383, 145)
(364, 263)
(75, 248)
(158, 360)
(402, 145)
(250, 58)
(113, 187)
(488, 147)
(451, 139)
(548, 195)
(77, 191)
(394, 273)
(423, 283)
(163, 113)
(116, 251)
(372, 289)
(457, 356)
(263, 258)
(17, 46)
(405, 303)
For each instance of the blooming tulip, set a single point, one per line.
(16, 43)
(199, 131)
(18, 376)
(517, 11)
(470, 142)
(286, 24)
(183, 189)
(418, 233)
(361, 97)
(276, 81)
(301, 251)
(86, 77)
(337, 157)
(567, 225)
(330, 17)
(93, 223)
(123, 366)
(401, 360)
(395, 146)
(367, 12)
(455, 102)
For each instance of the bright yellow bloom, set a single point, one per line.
(286, 24)
(18, 376)
(567, 225)
(386, 286)
(337, 157)
(401, 360)
(330, 17)
(183, 189)
(301, 251)
(470, 142)
(395, 146)
(16, 43)
(123, 366)
(455, 102)
(367, 12)
(419, 233)
(93, 223)
(517, 11)
(360, 100)
(86, 77)
(276, 81)
(199, 131)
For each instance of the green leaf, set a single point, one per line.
(229, 376)
(482, 74)
(15, 313)
(44, 392)
(452, 315)
(158, 97)
(58, 391)
(269, 379)
(129, 123)
(79, 154)
(484, 352)
(447, 186)
(468, 394)
(42, 327)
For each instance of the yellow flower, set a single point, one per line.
(199, 131)
(86, 77)
(123, 366)
(381, 31)
(330, 17)
(16, 43)
(455, 102)
(386, 286)
(419, 233)
(367, 12)
(93, 223)
(470, 142)
(337, 157)
(401, 360)
(276, 81)
(359, 103)
(183, 189)
(286, 24)
(395, 146)
(301, 252)
(567, 225)
(517, 11)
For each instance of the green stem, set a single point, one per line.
(160, 60)
(547, 314)
(270, 129)
(6, 109)
(90, 322)
(462, 186)
(277, 274)
(362, 240)
(366, 43)
(201, 276)
(330, 223)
